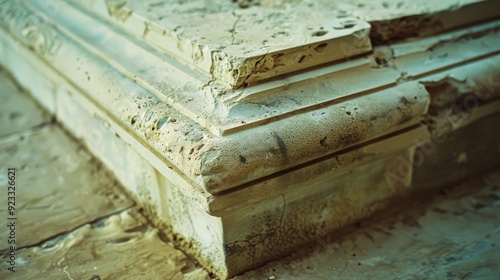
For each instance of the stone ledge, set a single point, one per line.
(194, 155)
(260, 36)
(245, 45)
(184, 173)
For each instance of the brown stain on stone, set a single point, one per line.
(282, 146)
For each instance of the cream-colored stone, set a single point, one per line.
(193, 150)
(392, 20)
(59, 185)
(446, 51)
(18, 111)
(276, 215)
(271, 152)
(122, 246)
(242, 46)
(457, 102)
(452, 236)
(60, 189)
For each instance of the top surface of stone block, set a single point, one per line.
(241, 43)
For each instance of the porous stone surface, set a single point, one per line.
(250, 41)
(240, 46)
(394, 20)
(291, 155)
(122, 246)
(59, 187)
(454, 235)
(73, 220)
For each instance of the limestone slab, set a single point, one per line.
(454, 235)
(395, 20)
(250, 41)
(241, 46)
(292, 156)
(193, 149)
(59, 185)
(18, 111)
(122, 246)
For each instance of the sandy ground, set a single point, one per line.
(74, 222)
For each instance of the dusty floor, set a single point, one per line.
(452, 238)
(74, 222)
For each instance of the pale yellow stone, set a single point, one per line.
(18, 111)
(59, 185)
(122, 246)
(240, 176)
(242, 46)
(454, 235)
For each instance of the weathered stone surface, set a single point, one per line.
(242, 46)
(182, 138)
(199, 155)
(59, 187)
(393, 20)
(122, 246)
(455, 236)
(269, 38)
(66, 226)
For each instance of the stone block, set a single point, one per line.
(239, 176)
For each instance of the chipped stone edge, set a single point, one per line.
(406, 27)
(233, 69)
(201, 160)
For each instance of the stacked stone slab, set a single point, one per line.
(249, 129)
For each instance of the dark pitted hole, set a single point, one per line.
(322, 142)
(162, 122)
(349, 24)
(380, 61)
(243, 159)
(121, 240)
(321, 47)
(14, 115)
(133, 120)
(319, 33)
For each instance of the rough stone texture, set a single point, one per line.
(454, 237)
(273, 228)
(267, 38)
(47, 176)
(463, 158)
(241, 46)
(66, 204)
(122, 246)
(198, 155)
(393, 20)
(195, 151)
